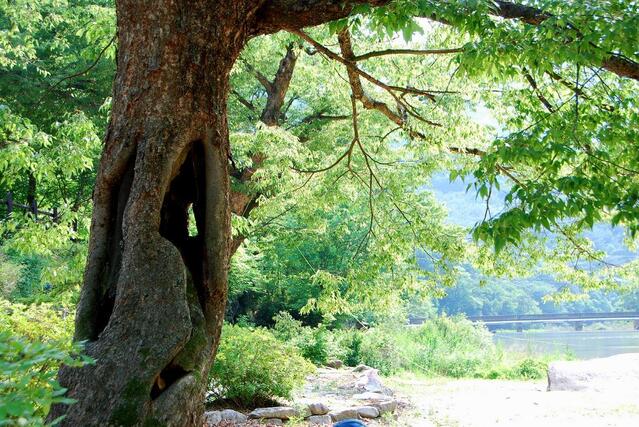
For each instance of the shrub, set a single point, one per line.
(352, 342)
(314, 344)
(27, 378)
(252, 367)
(380, 350)
(530, 369)
(450, 346)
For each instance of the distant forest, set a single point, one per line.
(475, 294)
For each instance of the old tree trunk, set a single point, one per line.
(152, 303)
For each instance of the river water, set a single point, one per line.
(580, 344)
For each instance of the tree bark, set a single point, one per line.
(152, 304)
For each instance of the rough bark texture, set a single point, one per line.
(153, 298)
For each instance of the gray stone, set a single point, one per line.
(233, 416)
(618, 373)
(370, 381)
(281, 412)
(212, 418)
(320, 420)
(361, 368)
(318, 408)
(343, 414)
(370, 396)
(335, 364)
(368, 412)
(385, 406)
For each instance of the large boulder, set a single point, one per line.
(212, 418)
(281, 412)
(616, 373)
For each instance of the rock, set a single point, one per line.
(618, 373)
(370, 381)
(232, 416)
(335, 364)
(343, 414)
(386, 406)
(212, 418)
(318, 408)
(273, 422)
(368, 412)
(361, 368)
(370, 396)
(281, 412)
(320, 420)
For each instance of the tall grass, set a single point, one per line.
(442, 346)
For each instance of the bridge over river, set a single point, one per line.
(518, 320)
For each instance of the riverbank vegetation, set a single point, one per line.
(256, 365)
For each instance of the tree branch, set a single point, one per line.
(617, 64)
(276, 15)
(387, 52)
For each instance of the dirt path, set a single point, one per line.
(482, 403)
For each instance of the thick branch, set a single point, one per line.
(369, 103)
(276, 15)
(272, 114)
(528, 14)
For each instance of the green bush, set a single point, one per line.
(530, 369)
(352, 342)
(315, 344)
(380, 349)
(252, 367)
(34, 341)
(449, 346)
(27, 379)
(442, 346)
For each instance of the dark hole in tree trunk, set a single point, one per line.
(186, 192)
(113, 263)
(167, 377)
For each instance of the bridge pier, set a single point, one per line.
(579, 326)
(636, 324)
(520, 327)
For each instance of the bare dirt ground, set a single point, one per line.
(445, 402)
(483, 403)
